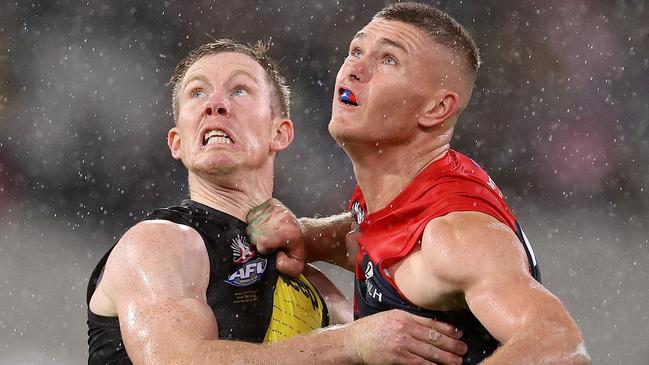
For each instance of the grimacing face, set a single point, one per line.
(225, 122)
(393, 71)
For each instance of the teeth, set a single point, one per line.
(216, 136)
(219, 140)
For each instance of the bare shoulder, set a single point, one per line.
(462, 245)
(160, 236)
(159, 255)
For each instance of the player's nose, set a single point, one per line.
(360, 71)
(217, 108)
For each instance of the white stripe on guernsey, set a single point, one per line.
(529, 248)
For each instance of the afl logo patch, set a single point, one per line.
(248, 273)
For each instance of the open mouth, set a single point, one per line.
(216, 136)
(347, 96)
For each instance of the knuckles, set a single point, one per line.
(398, 343)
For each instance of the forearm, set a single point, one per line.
(543, 344)
(324, 239)
(186, 333)
(321, 347)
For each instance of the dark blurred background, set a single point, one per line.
(559, 119)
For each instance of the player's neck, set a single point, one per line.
(383, 176)
(235, 194)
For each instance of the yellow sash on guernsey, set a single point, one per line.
(297, 309)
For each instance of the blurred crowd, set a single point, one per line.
(559, 118)
(559, 115)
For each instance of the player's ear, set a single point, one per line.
(173, 141)
(444, 104)
(282, 135)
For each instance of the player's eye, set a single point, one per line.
(390, 60)
(240, 91)
(198, 93)
(356, 52)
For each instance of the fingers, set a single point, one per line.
(443, 345)
(437, 341)
(257, 218)
(259, 238)
(273, 228)
(260, 209)
(434, 354)
(397, 337)
(289, 265)
(411, 359)
(264, 219)
(444, 328)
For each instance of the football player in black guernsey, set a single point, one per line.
(184, 286)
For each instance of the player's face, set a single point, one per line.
(225, 120)
(384, 84)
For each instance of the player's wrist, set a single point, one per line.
(344, 335)
(352, 346)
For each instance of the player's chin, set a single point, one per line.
(216, 166)
(336, 126)
(341, 130)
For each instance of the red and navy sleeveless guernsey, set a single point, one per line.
(453, 183)
(250, 299)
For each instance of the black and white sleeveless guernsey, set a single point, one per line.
(251, 301)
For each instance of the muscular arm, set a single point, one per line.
(156, 280)
(481, 257)
(157, 277)
(325, 240)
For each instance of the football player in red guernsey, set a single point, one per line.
(435, 236)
